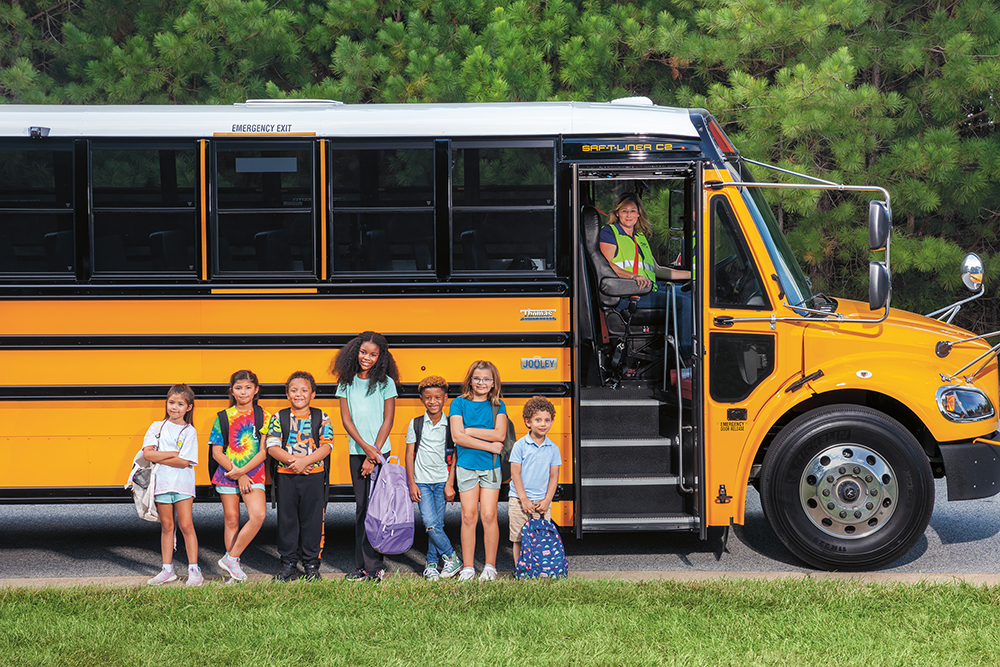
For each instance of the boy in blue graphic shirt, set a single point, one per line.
(534, 469)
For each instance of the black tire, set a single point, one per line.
(846, 487)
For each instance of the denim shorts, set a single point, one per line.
(227, 490)
(170, 498)
(466, 479)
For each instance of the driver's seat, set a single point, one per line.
(611, 289)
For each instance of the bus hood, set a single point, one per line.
(897, 357)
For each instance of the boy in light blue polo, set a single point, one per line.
(534, 469)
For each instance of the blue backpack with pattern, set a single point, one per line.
(542, 552)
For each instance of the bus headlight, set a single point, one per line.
(964, 404)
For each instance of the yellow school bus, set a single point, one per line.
(145, 246)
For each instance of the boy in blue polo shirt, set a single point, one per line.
(534, 469)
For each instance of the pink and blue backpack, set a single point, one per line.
(542, 552)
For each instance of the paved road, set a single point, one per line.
(89, 542)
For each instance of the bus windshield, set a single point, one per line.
(794, 282)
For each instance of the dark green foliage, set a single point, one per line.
(899, 94)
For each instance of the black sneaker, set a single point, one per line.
(358, 575)
(312, 572)
(378, 577)
(289, 572)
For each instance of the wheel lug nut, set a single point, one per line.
(843, 514)
(830, 479)
(874, 492)
(869, 506)
(826, 492)
(868, 478)
(857, 514)
(842, 470)
(830, 506)
(857, 470)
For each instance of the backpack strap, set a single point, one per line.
(284, 423)
(449, 446)
(258, 420)
(316, 428)
(496, 461)
(418, 429)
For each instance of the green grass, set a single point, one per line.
(570, 622)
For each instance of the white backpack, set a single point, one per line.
(142, 481)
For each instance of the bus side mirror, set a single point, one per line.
(972, 272)
(879, 225)
(878, 285)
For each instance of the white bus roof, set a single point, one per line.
(632, 116)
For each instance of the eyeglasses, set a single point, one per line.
(476, 380)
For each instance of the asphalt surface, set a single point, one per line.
(57, 544)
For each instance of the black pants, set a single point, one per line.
(364, 553)
(301, 517)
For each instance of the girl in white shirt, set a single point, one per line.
(173, 443)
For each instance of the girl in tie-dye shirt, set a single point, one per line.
(241, 458)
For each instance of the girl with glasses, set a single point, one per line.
(478, 420)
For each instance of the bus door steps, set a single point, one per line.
(620, 457)
(612, 417)
(623, 523)
(632, 495)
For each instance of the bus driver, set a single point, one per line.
(624, 244)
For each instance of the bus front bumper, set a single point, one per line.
(972, 468)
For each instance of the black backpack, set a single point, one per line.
(508, 444)
(449, 444)
(315, 425)
(258, 424)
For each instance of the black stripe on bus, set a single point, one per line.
(220, 391)
(117, 494)
(281, 341)
(362, 289)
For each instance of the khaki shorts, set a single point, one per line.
(518, 518)
(466, 479)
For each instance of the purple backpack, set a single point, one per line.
(389, 523)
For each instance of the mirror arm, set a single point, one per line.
(957, 306)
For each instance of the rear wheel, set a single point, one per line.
(846, 487)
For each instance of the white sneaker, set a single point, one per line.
(431, 573)
(489, 573)
(232, 567)
(452, 566)
(195, 577)
(163, 577)
(467, 573)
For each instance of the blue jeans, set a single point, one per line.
(432, 504)
(660, 300)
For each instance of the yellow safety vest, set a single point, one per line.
(626, 256)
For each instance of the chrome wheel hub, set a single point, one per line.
(848, 491)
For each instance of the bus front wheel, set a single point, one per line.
(845, 487)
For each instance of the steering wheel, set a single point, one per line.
(725, 291)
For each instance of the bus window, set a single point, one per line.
(36, 207)
(145, 216)
(740, 362)
(503, 207)
(383, 209)
(265, 214)
(735, 280)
